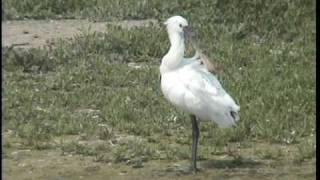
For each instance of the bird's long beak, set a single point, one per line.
(188, 32)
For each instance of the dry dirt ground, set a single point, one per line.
(54, 164)
(35, 33)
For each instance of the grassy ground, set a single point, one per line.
(103, 88)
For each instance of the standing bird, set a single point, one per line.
(188, 85)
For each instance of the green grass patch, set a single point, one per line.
(77, 86)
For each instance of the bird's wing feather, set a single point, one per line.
(196, 78)
(205, 97)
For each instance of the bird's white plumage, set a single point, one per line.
(188, 85)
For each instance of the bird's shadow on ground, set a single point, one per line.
(209, 165)
(230, 163)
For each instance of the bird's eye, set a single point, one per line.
(180, 25)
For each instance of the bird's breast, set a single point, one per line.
(177, 93)
(172, 89)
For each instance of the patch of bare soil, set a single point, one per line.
(24, 163)
(51, 164)
(36, 33)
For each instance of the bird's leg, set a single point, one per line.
(195, 138)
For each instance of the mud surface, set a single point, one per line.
(49, 164)
(53, 164)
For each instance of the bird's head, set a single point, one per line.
(178, 24)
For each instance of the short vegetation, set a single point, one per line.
(105, 86)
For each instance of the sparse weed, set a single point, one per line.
(76, 148)
(306, 150)
(270, 154)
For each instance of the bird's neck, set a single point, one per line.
(173, 58)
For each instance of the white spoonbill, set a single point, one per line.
(188, 85)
